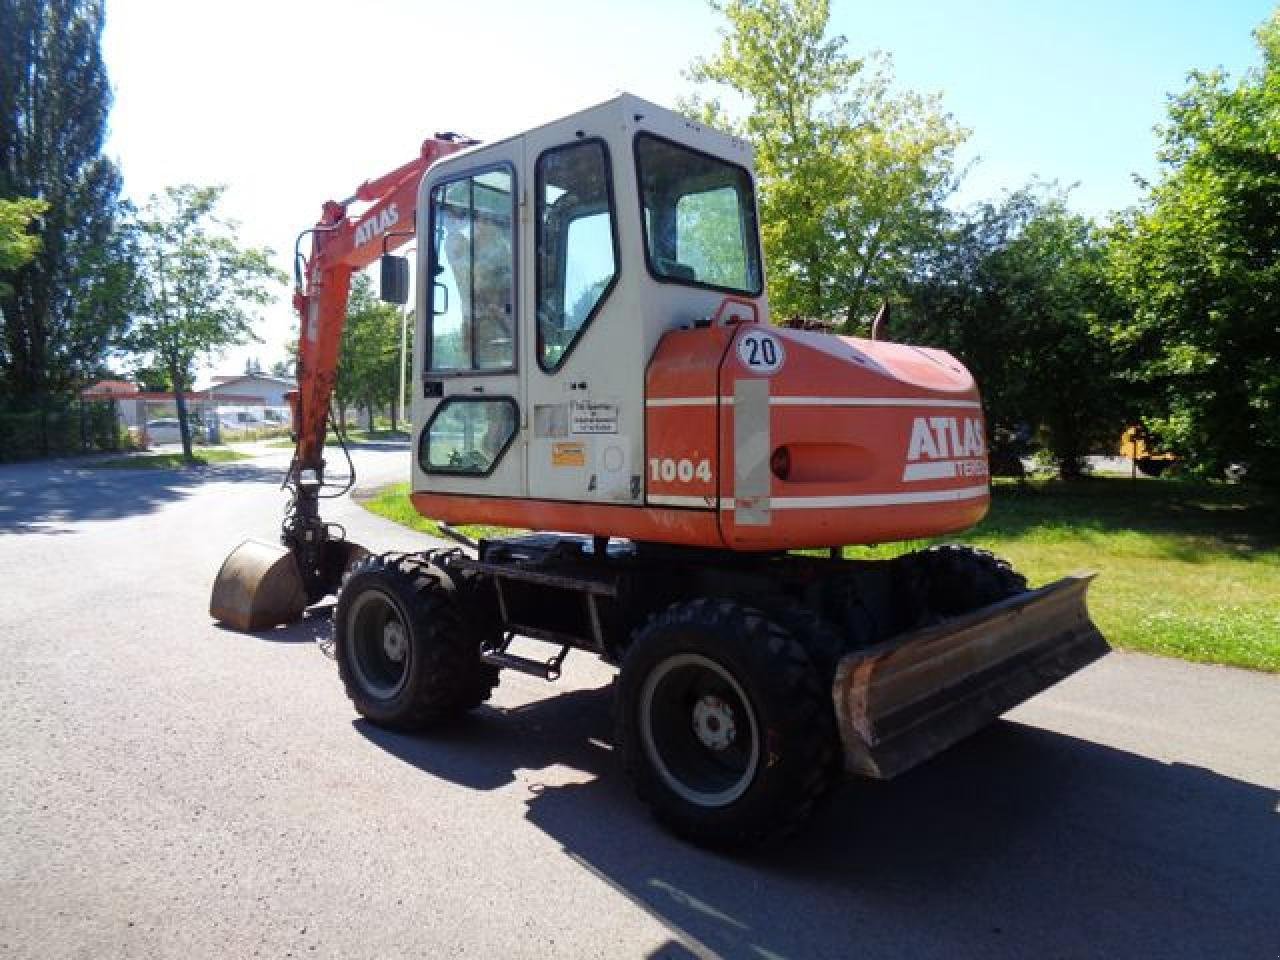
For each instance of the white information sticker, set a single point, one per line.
(593, 416)
(761, 352)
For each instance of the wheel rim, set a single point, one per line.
(699, 730)
(380, 645)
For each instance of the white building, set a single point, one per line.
(270, 390)
(267, 403)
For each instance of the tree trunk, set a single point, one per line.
(180, 401)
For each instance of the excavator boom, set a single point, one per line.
(262, 584)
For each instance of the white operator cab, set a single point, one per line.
(550, 265)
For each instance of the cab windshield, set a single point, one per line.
(699, 217)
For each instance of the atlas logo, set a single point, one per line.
(376, 226)
(942, 448)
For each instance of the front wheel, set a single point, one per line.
(723, 724)
(408, 653)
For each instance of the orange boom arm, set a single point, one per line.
(340, 246)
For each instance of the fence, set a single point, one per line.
(59, 427)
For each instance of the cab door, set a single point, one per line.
(472, 405)
(583, 352)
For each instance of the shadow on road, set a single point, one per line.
(316, 626)
(35, 495)
(1019, 842)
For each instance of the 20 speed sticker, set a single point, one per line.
(761, 352)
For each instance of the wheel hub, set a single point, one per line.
(713, 723)
(394, 641)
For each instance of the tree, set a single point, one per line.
(368, 365)
(198, 286)
(1198, 262)
(851, 175)
(1020, 292)
(61, 308)
(282, 369)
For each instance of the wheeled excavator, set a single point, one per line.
(594, 364)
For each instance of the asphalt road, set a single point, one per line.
(170, 788)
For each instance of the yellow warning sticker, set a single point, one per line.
(568, 455)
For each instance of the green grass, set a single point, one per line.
(1185, 570)
(393, 503)
(168, 461)
(354, 438)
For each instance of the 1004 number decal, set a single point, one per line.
(667, 470)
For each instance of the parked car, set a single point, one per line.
(167, 430)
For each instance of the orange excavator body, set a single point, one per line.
(867, 442)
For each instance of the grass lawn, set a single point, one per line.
(1185, 570)
(393, 503)
(354, 437)
(168, 461)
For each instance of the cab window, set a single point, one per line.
(699, 217)
(472, 272)
(468, 435)
(577, 247)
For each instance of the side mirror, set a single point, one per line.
(394, 279)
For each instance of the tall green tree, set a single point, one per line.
(199, 287)
(852, 175)
(63, 307)
(1199, 264)
(368, 365)
(1019, 290)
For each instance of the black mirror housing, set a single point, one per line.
(394, 279)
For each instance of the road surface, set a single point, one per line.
(169, 788)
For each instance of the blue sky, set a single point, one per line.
(292, 103)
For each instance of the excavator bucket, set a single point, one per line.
(259, 586)
(900, 702)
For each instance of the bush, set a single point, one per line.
(59, 427)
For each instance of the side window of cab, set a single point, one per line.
(577, 245)
(472, 266)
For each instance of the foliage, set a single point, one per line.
(58, 426)
(62, 308)
(152, 377)
(851, 175)
(1199, 264)
(198, 286)
(18, 245)
(1019, 292)
(368, 365)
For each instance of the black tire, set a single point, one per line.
(723, 725)
(958, 579)
(407, 651)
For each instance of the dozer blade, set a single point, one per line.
(903, 701)
(259, 586)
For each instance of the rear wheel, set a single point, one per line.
(408, 654)
(957, 579)
(723, 724)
